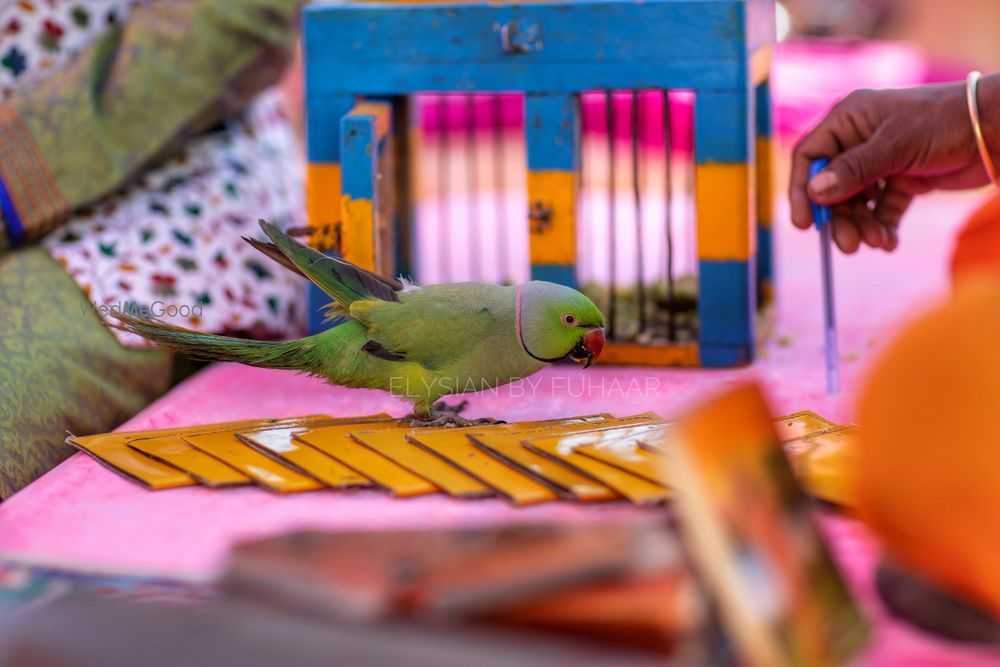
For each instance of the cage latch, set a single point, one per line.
(520, 38)
(540, 216)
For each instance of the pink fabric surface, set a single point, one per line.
(84, 515)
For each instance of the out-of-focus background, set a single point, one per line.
(960, 32)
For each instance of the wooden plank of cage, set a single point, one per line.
(551, 123)
(765, 193)
(726, 237)
(656, 43)
(406, 146)
(668, 214)
(497, 149)
(637, 203)
(323, 186)
(472, 186)
(323, 171)
(365, 142)
(609, 115)
(442, 190)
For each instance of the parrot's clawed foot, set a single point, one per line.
(439, 418)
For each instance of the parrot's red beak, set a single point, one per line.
(588, 348)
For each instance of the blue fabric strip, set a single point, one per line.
(15, 229)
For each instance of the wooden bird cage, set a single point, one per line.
(618, 146)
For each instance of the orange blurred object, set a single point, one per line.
(651, 611)
(977, 248)
(929, 458)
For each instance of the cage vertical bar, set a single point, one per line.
(724, 181)
(551, 123)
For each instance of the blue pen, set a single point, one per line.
(823, 217)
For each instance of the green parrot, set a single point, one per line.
(418, 343)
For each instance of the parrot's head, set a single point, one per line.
(555, 321)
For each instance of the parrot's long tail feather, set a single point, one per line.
(294, 354)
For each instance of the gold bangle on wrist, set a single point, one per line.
(972, 98)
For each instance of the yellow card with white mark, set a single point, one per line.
(336, 441)
(517, 485)
(265, 471)
(623, 449)
(451, 476)
(562, 448)
(112, 451)
(208, 470)
(280, 443)
(451, 445)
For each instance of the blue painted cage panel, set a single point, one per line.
(620, 147)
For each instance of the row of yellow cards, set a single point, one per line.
(590, 458)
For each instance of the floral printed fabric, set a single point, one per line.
(170, 246)
(37, 37)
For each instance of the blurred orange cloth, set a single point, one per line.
(977, 247)
(929, 452)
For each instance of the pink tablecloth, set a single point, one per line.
(81, 514)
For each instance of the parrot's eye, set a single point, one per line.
(568, 319)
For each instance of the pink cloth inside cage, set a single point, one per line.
(806, 77)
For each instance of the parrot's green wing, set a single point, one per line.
(343, 281)
(426, 330)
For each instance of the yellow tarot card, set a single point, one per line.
(568, 482)
(393, 445)
(563, 449)
(452, 479)
(454, 445)
(112, 451)
(827, 467)
(175, 451)
(336, 442)
(267, 472)
(521, 488)
(279, 443)
(208, 470)
(800, 424)
(623, 448)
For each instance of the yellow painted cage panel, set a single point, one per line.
(552, 199)
(724, 210)
(323, 186)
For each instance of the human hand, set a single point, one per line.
(885, 147)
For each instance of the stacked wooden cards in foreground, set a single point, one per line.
(590, 458)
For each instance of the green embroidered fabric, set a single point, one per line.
(142, 89)
(60, 369)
